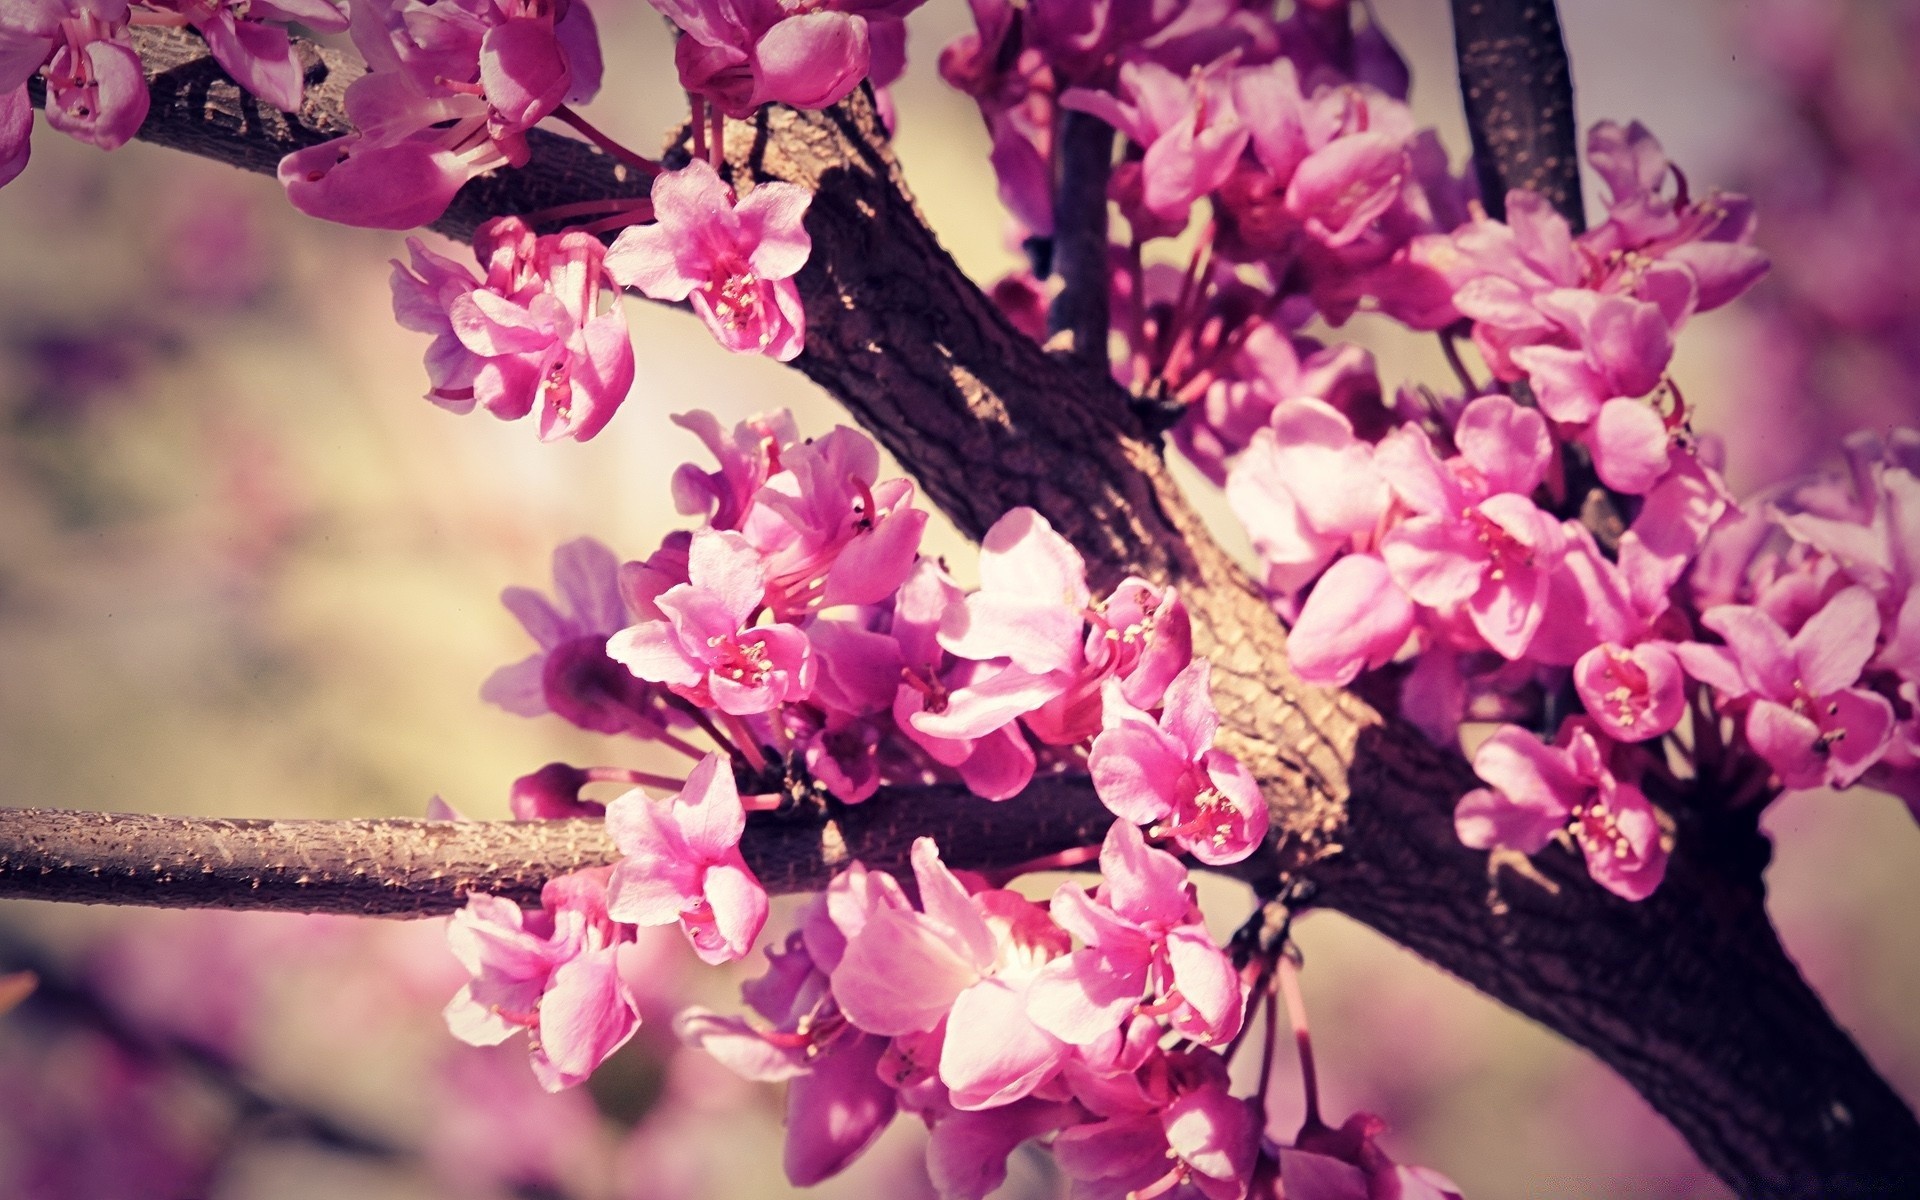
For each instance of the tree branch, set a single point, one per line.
(1518, 91)
(1082, 310)
(417, 868)
(1688, 995)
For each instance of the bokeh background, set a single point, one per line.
(246, 570)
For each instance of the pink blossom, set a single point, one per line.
(682, 863)
(531, 332)
(1146, 948)
(747, 457)
(1167, 774)
(1194, 1132)
(1539, 791)
(967, 961)
(553, 973)
(571, 674)
(96, 90)
(1306, 489)
(1192, 135)
(707, 649)
(1804, 714)
(454, 86)
(1032, 601)
(1632, 692)
(1355, 618)
(740, 54)
(978, 734)
(735, 260)
(260, 57)
(828, 530)
(1475, 542)
(1348, 1164)
(837, 1104)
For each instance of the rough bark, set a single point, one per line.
(1688, 995)
(416, 868)
(1518, 90)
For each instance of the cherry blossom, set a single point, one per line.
(682, 864)
(553, 972)
(1165, 773)
(734, 260)
(707, 649)
(1540, 792)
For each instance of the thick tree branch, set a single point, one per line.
(1518, 90)
(1688, 995)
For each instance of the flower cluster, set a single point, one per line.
(96, 90)
(531, 332)
(451, 90)
(800, 631)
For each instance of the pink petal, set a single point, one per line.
(1355, 618)
(993, 1053)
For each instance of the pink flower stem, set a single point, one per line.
(157, 19)
(566, 116)
(1137, 313)
(642, 778)
(762, 802)
(705, 723)
(681, 744)
(717, 140)
(743, 739)
(1271, 1004)
(1452, 351)
(698, 120)
(1193, 295)
(1063, 861)
(1289, 976)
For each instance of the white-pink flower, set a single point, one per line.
(682, 864)
(733, 260)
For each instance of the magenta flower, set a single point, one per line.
(828, 530)
(1167, 775)
(1356, 618)
(1306, 489)
(707, 648)
(978, 734)
(1146, 949)
(1032, 603)
(682, 863)
(531, 333)
(1632, 692)
(1539, 791)
(734, 260)
(1188, 125)
(740, 54)
(571, 675)
(1192, 1131)
(965, 961)
(1804, 714)
(1475, 543)
(96, 91)
(1348, 1164)
(553, 972)
(260, 57)
(837, 1103)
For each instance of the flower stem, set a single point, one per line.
(566, 116)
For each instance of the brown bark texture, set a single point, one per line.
(1689, 995)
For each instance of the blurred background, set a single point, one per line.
(245, 570)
